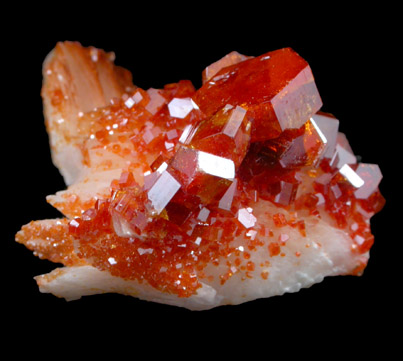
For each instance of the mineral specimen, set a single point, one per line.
(198, 198)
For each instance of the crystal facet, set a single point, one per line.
(304, 149)
(226, 134)
(329, 126)
(246, 217)
(343, 153)
(163, 190)
(354, 179)
(202, 174)
(230, 59)
(156, 101)
(181, 107)
(371, 176)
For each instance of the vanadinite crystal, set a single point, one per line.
(253, 132)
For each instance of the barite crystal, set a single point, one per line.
(185, 194)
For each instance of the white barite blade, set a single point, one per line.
(76, 81)
(72, 283)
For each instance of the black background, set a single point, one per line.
(353, 57)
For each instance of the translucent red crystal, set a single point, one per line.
(251, 132)
(277, 89)
(226, 134)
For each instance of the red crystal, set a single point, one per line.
(202, 174)
(230, 59)
(226, 134)
(156, 101)
(127, 180)
(251, 132)
(277, 89)
(304, 149)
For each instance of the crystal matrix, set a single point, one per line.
(240, 189)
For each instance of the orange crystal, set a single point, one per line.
(277, 89)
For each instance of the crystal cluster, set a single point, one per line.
(253, 131)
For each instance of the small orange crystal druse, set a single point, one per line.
(252, 133)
